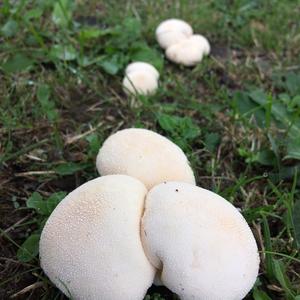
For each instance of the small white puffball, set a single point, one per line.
(202, 42)
(90, 247)
(141, 66)
(172, 31)
(140, 82)
(200, 242)
(190, 51)
(145, 155)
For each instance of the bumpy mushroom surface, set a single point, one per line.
(90, 247)
(140, 82)
(172, 31)
(145, 155)
(190, 51)
(141, 66)
(202, 244)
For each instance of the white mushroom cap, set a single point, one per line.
(201, 41)
(171, 31)
(90, 247)
(140, 82)
(202, 244)
(190, 51)
(143, 154)
(141, 66)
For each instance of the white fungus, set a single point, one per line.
(145, 155)
(141, 66)
(172, 31)
(182, 46)
(190, 51)
(140, 82)
(90, 247)
(200, 242)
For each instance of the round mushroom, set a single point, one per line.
(144, 154)
(141, 66)
(140, 82)
(190, 51)
(200, 242)
(172, 31)
(90, 247)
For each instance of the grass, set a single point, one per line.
(236, 115)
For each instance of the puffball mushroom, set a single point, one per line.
(145, 155)
(141, 66)
(200, 242)
(172, 31)
(190, 51)
(90, 247)
(140, 78)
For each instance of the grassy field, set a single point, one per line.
(236, 115)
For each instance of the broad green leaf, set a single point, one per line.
(211, 141)
(296, 221)
(63, 52)
(293, 148)
(278, 111)
(37, 202)
(48, 106)
(29, 249)
(144, 53)
(92, 33)
(10, 28)
(94, 144)
(293, 83)
(53, 200)
(265, 157)
(69, 168)
(62, 12)
(17, 63)
(260, 295)
(182, 130)
(110, 66)
(34, 13)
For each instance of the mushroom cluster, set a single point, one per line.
(181, 45)
(143, 217)
(140, 78)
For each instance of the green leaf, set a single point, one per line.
(10, 28)
(260, 295)
(110, 66)
(17, 63)
(278, 111)
(48, 106)
(44, 206)
(265, 157)
(280, 274)
(63, 52)
(211, 141)
(37, 202)
(296, 221)
(94, 144)
(62, 12)
(89, 33)
(34, 13)
(69, 168)
(293, 149)
(181, 129)
(146, 54)
(53, 201)
(29, 249)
